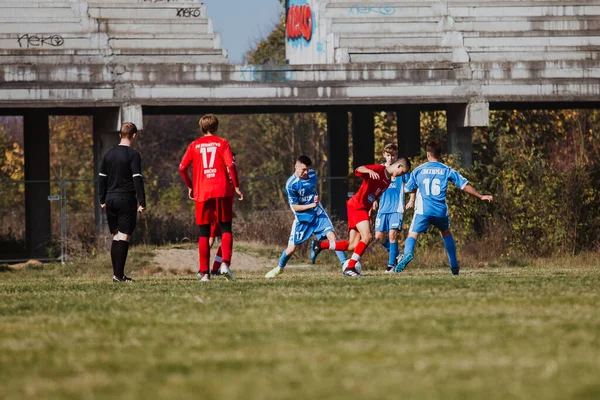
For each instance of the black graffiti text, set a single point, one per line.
(27, 40)
(189, 12)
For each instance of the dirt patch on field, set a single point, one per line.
(185, 261)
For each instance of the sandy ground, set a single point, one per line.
(185, 261)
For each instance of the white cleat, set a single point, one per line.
(204, 277)
(226, 273)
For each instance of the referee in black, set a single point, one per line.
(121, 189)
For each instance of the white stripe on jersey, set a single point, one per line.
(419, 203)
(140, 175)
(101, 174)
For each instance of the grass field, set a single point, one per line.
(506, 332)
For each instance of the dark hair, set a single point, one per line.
(304, 160)
(128, 129)
(390, 148)
(404, 161)
(433, 147)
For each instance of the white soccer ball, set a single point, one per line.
(358, 266)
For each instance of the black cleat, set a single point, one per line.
(124, 278)
(315, 249)
(455, 271)
(352, 272)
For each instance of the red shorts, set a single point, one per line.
(215, 229)
(217, 210)
(355, 216)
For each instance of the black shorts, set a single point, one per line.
(121, 214)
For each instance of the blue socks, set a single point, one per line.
(393, 253)
(409, 245)
(342, 256)
(386, 244)
(283, 260)
(450, 246)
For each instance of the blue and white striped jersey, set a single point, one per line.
(432, 179)
(303, 191)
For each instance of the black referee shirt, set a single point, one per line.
(121, 174)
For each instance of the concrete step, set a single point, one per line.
(124, 28)
(174, 44)
(97, 59)
(137, 13)
(525, 56)
(400, 57)
(505, 43)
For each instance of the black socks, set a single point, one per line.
(118, 255)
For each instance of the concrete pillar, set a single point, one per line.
(337, 155)
(106, 124)
(131, 113)
(363, 137)
(460, 137)
(37, 186)
(408, 122)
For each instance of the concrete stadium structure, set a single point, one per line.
(120, 59)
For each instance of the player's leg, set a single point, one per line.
(364, 230)
(215, 232)
(113, 226)
(225, 217)
(419, 224)
(299, 233)
(205, 214)
(126, 221)
(323, 228)
(286, 254)
(394, 223)
(444, 226)
(381, 227)
(331, 236)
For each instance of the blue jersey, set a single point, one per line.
(392, 200)
(303, 191)
(432, 180)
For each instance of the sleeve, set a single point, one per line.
(374, 167)
(103, 181)
(405, 178)
(456, 178)
(186, 161)
(411, 183)
(138, 179)
(292, 195)
(230, 164)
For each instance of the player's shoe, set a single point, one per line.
(215, 273)
(389, 269)
(315, 249)
(352, 272)
(203, 277)
(274, 272)
(455, 271)
(399, 257)
(225, 272)
(404, 262)
(125, 278)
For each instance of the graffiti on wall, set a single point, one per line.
(189, 12)
(266, 73)
(382, 9)
(27, 40)
(299, 22)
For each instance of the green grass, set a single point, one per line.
(499, 332)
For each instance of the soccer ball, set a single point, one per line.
(358, 266)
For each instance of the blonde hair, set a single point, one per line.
(209, 123)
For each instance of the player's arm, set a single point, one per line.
(138, 181)
(232, 170)
(184, 166)
(484, 197)
(103, 182)
(411, 200)
(363, 171)
(293, 199)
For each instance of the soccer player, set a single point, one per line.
(431, 179)
(212, 168)
(375, 180)
(390, 208)
(121, 188)
(311, 218)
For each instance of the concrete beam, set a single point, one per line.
(131, 113)
(363, 136)
(475, 113)
(460, 137)
(37, 183)
(337, 165)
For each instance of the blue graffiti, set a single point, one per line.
(320, 47)
(382, 9)
(266, 73)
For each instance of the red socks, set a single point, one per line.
(227, 247)
(359, 250)
(203, 254)
(340, 245)
(218, 260)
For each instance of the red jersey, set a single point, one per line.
(212, 168)
(370, 189)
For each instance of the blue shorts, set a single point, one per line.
(302, 231)
(420, 223)
(387, 222)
